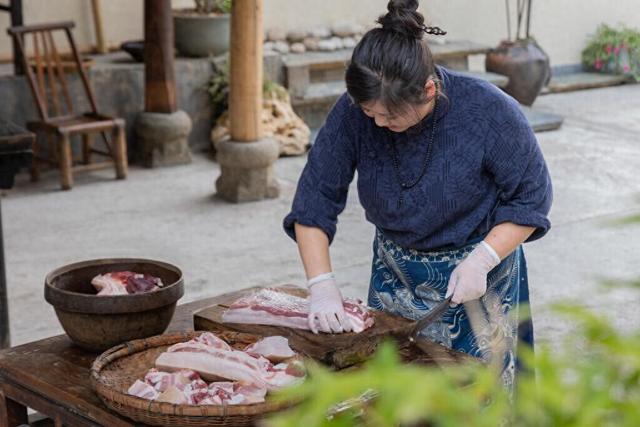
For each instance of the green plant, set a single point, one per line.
(614, 51)
(218, 88)
(213, 6)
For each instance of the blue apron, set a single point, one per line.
(410, 283)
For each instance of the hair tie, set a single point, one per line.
(436, 31)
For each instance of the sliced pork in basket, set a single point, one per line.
(207, 371)
(125, 282)
(274, 307)
(276, 349)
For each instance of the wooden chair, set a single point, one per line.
(58, 119)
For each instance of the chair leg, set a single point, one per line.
(120, 151)
(65, 160)
(87, 139)
(35, 173)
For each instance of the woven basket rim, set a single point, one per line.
(115, 398)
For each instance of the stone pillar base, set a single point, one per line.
(163, 137)
(247, 170)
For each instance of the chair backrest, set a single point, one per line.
(45, 71)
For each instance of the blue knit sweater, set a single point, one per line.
(486, 168)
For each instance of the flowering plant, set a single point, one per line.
(614, 51)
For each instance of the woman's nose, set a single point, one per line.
(381, 121)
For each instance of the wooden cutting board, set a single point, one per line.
(337, 350)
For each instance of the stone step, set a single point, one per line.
(582, 80)
(493, 78)
(541, 121)
(318, 98)
(314, 67)
(321, 96)
(441, 52)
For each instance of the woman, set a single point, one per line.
(450, 174)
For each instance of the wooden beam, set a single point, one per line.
(245, 75)
(96, 7)
(160, 82)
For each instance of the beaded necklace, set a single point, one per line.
(427, 158)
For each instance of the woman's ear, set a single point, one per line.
(430, 89)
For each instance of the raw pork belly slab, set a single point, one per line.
(276, 349)
(273, 307)
(214, 365)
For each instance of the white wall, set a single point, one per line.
(561, 26)
(122, 20)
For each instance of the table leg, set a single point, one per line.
(12, 413)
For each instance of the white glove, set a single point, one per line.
(326, 309)
(468, 280)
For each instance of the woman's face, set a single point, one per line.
(400, 122)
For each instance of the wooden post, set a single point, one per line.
(98, 26)
(16, 20)
(160, 82)
(245, 76)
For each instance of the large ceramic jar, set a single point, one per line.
(526, 65)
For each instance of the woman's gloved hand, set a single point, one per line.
(468, 280)
(326, 312)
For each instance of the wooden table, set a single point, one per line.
(52, 377)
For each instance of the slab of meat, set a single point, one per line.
(181, 370)
(173, 395)
(273, 307)
(161, 381)
(276, 349)
(143, 390)
(125, 282)
(214, 365)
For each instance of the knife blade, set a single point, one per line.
(433, 315)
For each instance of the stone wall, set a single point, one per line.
(119, 87)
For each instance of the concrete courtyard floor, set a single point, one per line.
(171, 214)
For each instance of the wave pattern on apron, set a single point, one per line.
(410, 283)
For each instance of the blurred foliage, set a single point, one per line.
(593, 380)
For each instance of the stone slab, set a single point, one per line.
(541, 121)
(583, 80)
(493, 78)
(450, 49)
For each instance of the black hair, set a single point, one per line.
(392, 63)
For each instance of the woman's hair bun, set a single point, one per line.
(403, 17)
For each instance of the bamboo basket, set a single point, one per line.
(113, 372)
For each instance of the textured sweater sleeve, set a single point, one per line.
(322, 188)
(519, 169)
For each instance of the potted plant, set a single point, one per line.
(520, 59)
(614, 51)
(203, 31)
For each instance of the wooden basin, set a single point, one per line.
(97, 323)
